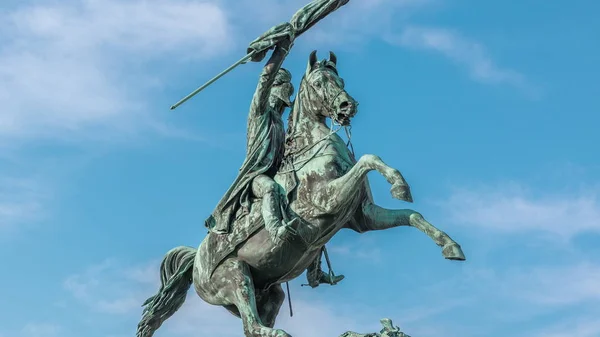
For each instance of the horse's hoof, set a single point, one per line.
(280, 333)
(401, 192)
(268, 332)
(453, 251)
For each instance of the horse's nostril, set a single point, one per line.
(344, 105)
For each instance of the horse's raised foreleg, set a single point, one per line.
(379, 218)
(332, 197)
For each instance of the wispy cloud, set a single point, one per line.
(351, 26)
(21, 200)
(113, 288)
(372, 254)
(582, 327)
(515, 209)
(73, 67)
(561, 286)
(77, 67)
(536, 289)
(469, 54)
(91, 287)
(362, 21)
(494, 296)
(40, 330)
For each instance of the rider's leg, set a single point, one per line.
(271, 194)
(316, 276)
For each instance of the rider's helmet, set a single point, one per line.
(283, 89)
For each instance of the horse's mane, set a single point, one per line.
(294, 114)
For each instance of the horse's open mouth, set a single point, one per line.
(342, 119)
(344, 114)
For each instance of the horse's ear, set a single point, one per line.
(312, 60)
(332, 58)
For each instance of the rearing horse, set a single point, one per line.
(327, 188)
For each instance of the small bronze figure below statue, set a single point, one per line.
(389, 330)
(295, 190)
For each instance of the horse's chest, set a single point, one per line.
(336, 160)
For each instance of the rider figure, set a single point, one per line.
(264, 152)
(263, 155)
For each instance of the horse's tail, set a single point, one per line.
(175, 280)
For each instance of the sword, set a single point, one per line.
(287, 284)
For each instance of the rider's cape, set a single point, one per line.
(263, 155)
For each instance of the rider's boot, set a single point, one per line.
(329, 278)
(316, 276)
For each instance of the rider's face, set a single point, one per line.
(277, 104)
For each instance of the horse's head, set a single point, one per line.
(324, 93)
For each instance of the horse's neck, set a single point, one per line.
(307, 129)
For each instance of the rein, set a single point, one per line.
(305, 149)
(305, 83)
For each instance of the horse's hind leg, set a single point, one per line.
(268, 303)
(234, 280)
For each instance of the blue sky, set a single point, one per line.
(489, 109)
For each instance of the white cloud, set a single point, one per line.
(71, 67)
(40, 330)
(351, 25)
(310, 319)
(461, 50)
(127, 291)
(515, 210)
(113, 288)
(493, 295)
(318, 319)
(534, 289)
(497, 296)
(361, 21)
(371, 254)
(583, 327)
(76, 68)
(21, 200)
(560, 286)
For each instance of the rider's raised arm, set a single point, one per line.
(260, 100)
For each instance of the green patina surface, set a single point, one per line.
(388, 330)
(295, 190)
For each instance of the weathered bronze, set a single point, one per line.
(294, 192)
(389, 330)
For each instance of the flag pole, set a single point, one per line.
(212, 80)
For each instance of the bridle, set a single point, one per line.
(335, 126)
(332, 115)
(323, 100)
